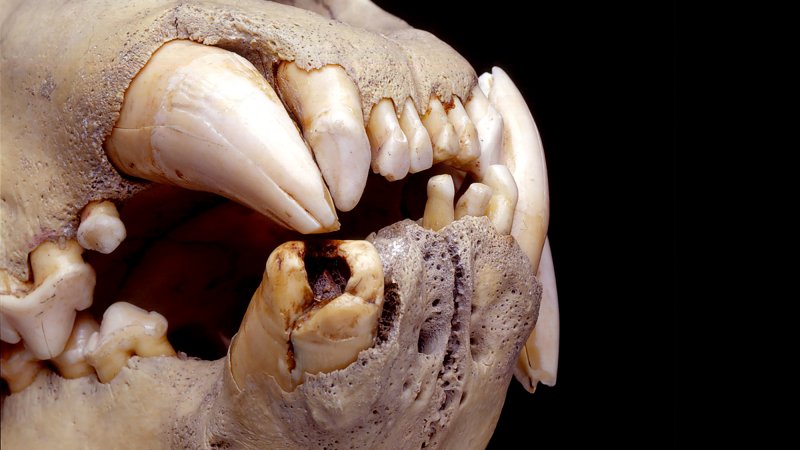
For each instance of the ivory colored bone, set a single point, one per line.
(419, 141)
(439, 210)
(489, 125)
(18, 366)
(443, 136)
(71, 363)
(101, 229)
(469, 147)
(390, 152)
(474, 201)
(504, 197)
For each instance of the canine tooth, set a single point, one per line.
(390, 153)
(468, 143)
(328, 106)
(18, 366)
(204, 118)
(419, 141)
(474, 201)
(101, 229)
(489, 125)
(63, 283)
(443, 136)
(71, 363)
(439, 206)
(504, 197)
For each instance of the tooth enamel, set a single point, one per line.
(504, 197)
(328, 106)
(489, 125)
(474, 201)
(419, 141)
(468, 143)
(43, 318)
(101, 229)
(439, 207)
(205, 119)
(443, 136)
(126, 330)
(71, 363)
(390, 152)
(18, 366)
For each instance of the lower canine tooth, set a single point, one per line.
(101, 229)
(468, 143)
(443, 136)
(504, 197)
(439, 207)
(489, 125)
(18, 366)
(71, 363)
(390, 152)
(419, 141)
(474, 201)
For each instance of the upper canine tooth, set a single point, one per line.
(71, 363)
(474, 201)
(468, 143)
(205, 119)
(443, 136)
(489, 125)
(101, 229)
(18, 366)
(504, 197)
(419, 141)
(328, 106)
(439, 210)
(390, 152)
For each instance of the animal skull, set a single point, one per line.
(124, 125)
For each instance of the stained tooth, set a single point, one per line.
(443, 136)
(18, 366)
(205, 119)
(63, 283)
(439, 207)
(419, 141)
(489, 125)
(474, 201)
(101, 229)
(71, 363)
(328, 106)
(126, 330)
(390, 151)
(468, 143)
(504, 197)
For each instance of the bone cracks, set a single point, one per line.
(162, 166)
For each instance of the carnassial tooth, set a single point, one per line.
(63, 283)
(390, 152)
(18, 366)
(504, 197)
(439, 207)
(468, 143)
(489, 125)
(126, 330)
(71, 363)
(419, 141)
(474, 201)
(204, 118)
(328, 106)
(443, 136)
(101, 229)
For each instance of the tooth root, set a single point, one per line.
(474, 201)
(328, 106)
(204, 118)
(18, 366)
(390, 153)
(443, 136)
(43, 317)
(419, 141)
(439, 207)
(489, 126)
(504, 197)
(72, 363)
(101, 229)
(126, 330)
(469, 147)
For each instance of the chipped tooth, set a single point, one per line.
(419, 141)
(443, 136)
(390, 151)
(72, 363)
(63, 283)
(204, 118)
(439, 207)
(489, 125)
(101, 229)
(126, 330)
(18, 366)
(474, 201)
(468, 143)
(328, 106)
(504, 197)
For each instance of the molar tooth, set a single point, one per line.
(439, 207)
(468, 143)
(419, 141)
(18, 366)
(443, 136)
(504, 197)
(204, 118)
(328, 106)
(71, 363)
(474, 201)
(489, 125)
(390, 152)
(101, 229)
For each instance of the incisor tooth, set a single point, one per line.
(18, 366)
(469, 147)
(443, 136)
(489, 125)
(390, 152)
(101, 229)
(439, 207)
(504, 197)
(474, 201)
(205, 119)
(419, 141)
(71, 363)
(328, 106)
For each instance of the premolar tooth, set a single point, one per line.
(63, 283)
(18, 366)
(205, 119)
(504, 197)
(468, 143)
(72, 363)
(328, 106)
(474, 201)
(419, 141)
(489, 125)
(439, 207)
(101, 229)
(390, 151)
(443, 136)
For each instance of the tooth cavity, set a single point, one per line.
(504, 197)
(474, 201)
(204, 118)
(126, 330)
(63, 283)
(468, 143)
(72, 363)
(489, 125)
(419, 141)
(18, 366)
(101, 229)
(443, 136)
(439, 207)
(390, 151)
(328, 106)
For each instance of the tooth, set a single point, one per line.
(504, 197)
(101, 229)
(18, 366)
(63, 283)
(439, 207)
(468, 143)
(474, 201)
(419, 141)
(328, 106)
(126, 330)
(390, 153)
(489, 125)
(204, 118)
(71, 363)
(443, 136)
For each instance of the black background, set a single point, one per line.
(599, 79)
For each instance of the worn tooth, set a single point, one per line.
(419, 141)
(474, 201)
(18, 366)
(101, 229)
(126, 330)
(390, 151)
(439, 207)
(72, 363)
(504, 197)
(205, 119)
(328, 106)
(63, 283)
(489, 125)
(468, 144)
(443, 136)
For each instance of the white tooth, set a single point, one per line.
(43, 318)
(101, 229)
(419, 141)
(18, 366)
(443, 136)
(390, 152)
(126, 330)
(489, 125)
(71, 363)
(328, 106)
(474, 201)
(468, 143)
(205, 119)
(439, 207)
(504, 197)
